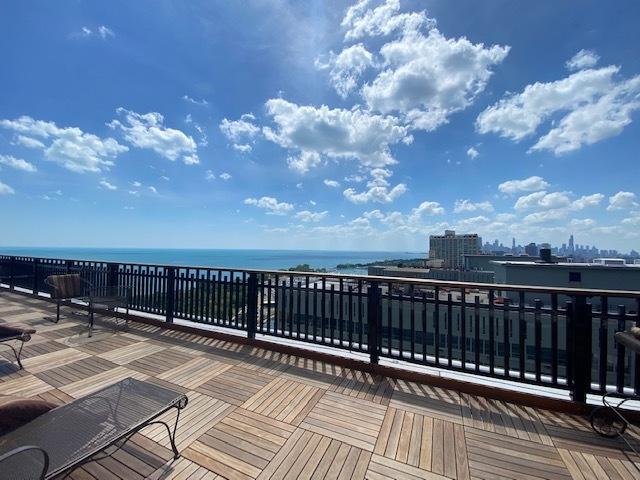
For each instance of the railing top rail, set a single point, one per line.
(375, 278)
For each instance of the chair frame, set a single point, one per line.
(23, 337)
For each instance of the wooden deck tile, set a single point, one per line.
(365, 386)
(505, 418)
(382, 468)
(55, 359)
(426, 400)
(284, 400)
(194, 373)
(202, 413)
(241, 445)
(424, 442)
(347, 419)
(129, 353)
(96, 382)
(508, 457)
(24, 386)
(75, 371)
(182, 469)
(160, 362)
(235, 385)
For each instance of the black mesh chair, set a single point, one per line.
(15, 333)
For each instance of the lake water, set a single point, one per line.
(258, 259)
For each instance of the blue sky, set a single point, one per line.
(332, 125)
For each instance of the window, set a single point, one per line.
(575, 276)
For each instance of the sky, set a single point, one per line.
(318, 125)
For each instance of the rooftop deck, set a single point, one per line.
(255, 413)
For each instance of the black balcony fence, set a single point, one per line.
(561, 338)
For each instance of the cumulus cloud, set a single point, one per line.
(426, 78)
(530, 184)
(583, 59)
(543, 200)
(334, 133)
(270, 204)
(362, 21)
(378, 189)
(412, 222)
(346, 68)
(593, 105)
(70, 147)
(225, 176)
(148, 131)
(241, 133)
(331, 183)
(307, 216)
(6, 189)
(304, 161)
(587, 201)
(469, 206)
(29, 142)
(17, 163)
(152, 189)
(472, 153)
(622, 201)
(107, 185)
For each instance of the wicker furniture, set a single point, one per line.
(73, 434)
(11, 333)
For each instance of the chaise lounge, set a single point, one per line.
(68, 436)
(11, 333)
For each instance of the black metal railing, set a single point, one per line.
(553, 337)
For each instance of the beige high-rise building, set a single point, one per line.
(450, 247)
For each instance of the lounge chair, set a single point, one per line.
(68, 436)
(11, 333)
(70, 287)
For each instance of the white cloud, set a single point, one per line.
(425, 77)
(270, 204)
(105, 32)
(107, 185)
(469, 206)
(595, 104)
(354, 178)
(530, 184)
(543, 200)
(412, 222)
(587, 201)
(346, 68)
(165, 178)
(68, 146)
(304, 161)
(147, 131)
(622, 201)
(362, 21)
(6, 189)
(136, 184)
(472, 153)
(102, 31)
(201, 102)
(307, 216)
(209, 175)
(581, 224)
(29, 142)
(331, 183)
(582, 59)
(334, 133)
(152, 190)
(17, 163)
(634, 219)
(225, 176)
(240, 132)
(378, 191)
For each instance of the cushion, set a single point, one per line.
(65, 286)
(635, 331)
(11, 330)
(16, 413)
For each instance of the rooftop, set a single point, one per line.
(255, 413)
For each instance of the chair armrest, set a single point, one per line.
(28, 461)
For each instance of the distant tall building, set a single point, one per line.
(531, 250)
(450, 247)
(572, 248)
(513, 245)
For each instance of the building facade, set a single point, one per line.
(450, 247)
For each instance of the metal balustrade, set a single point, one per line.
(553, 337)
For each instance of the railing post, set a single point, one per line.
(12, 272)
(112, 274)
(252, 305)
(170, 294)
(581, 349)
(374, 307)
(67, 266)
(34, 288)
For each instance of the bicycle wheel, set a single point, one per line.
(606, 422)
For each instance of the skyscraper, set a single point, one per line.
(572, 249)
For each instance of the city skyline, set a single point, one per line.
(335, 125)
